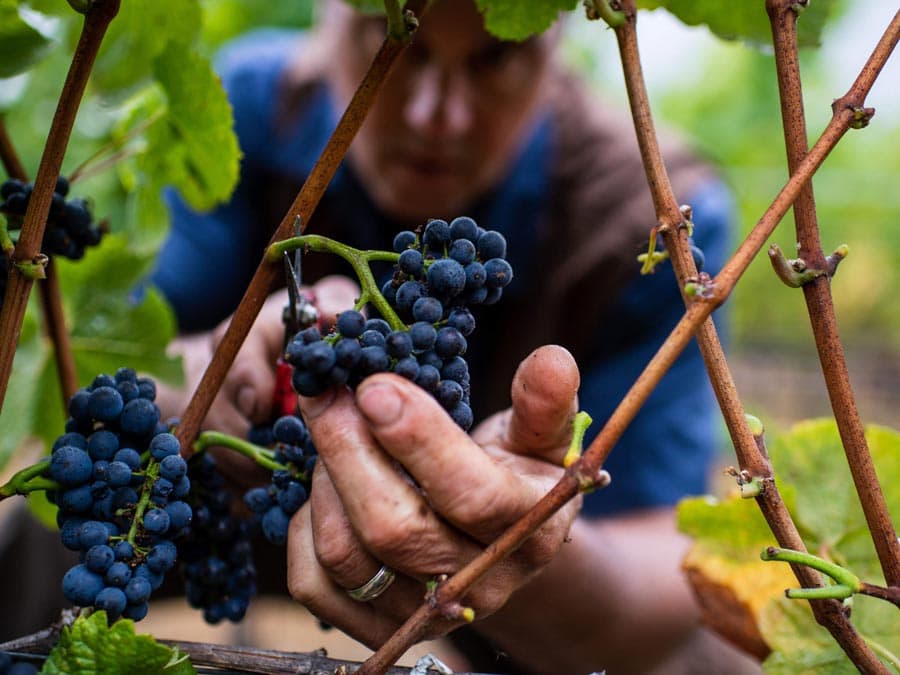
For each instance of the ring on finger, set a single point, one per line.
(375, 586)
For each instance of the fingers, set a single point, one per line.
(334, 294)
(464, 484)
(248, 389)
(544, 403)
(310, 585)
(341, 554)
(388, 514)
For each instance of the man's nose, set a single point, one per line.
(440, 102)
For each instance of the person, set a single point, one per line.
(502, 132)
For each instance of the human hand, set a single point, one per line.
(459, 494)
(246, 396)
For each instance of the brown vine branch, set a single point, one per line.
(96, 21)
(304, 204)
(817, 294)
(232, 658)
(55, 325)
(750, 455)
(50, 294)
(697, 312)
(889, 594)
(9, 156)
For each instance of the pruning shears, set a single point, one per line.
(299, 313)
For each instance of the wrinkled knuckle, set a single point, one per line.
(389, 535)
(475, 506)
(302, 588)
(335, 554)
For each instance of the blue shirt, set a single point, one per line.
(208, 259)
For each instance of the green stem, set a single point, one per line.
(396, 23)
(833, 591)
(33, 269)
(39, 483)
(15, 485)
(840, 574)
(261, 456)
(579, 428)
(359, 260)
(6, 242)
(150, 475)
(885, 654)
(602, 9)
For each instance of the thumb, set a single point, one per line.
(544, 402)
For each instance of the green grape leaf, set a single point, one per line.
(733, 527)
(194, 144)
(513, 20)
(90, 646)
(20, 44)
(728, 536)
(142, 175)
(141, 32)
(111, 322)
(827, 510)
(813, 478)
(745, 21)
(800, 646)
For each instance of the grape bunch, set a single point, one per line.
(70, 225)
(274, 504)
(440, 273)
(216, 555)
(120, 496)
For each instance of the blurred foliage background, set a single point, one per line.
(722, 95)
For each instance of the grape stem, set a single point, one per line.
(261, 456)
(29, 479)
(360, 261)
(140, 508)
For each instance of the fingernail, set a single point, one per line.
(314, 406)
(380, 403)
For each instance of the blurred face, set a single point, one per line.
(451, 115)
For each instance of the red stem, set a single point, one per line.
(817, 294)
(51, 296)
(96, 21)
(55, 325)
(9, 156)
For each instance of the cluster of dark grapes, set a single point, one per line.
(216, 554)
(121, 495)
(274, 504)
(441, 272)
(70, 225)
